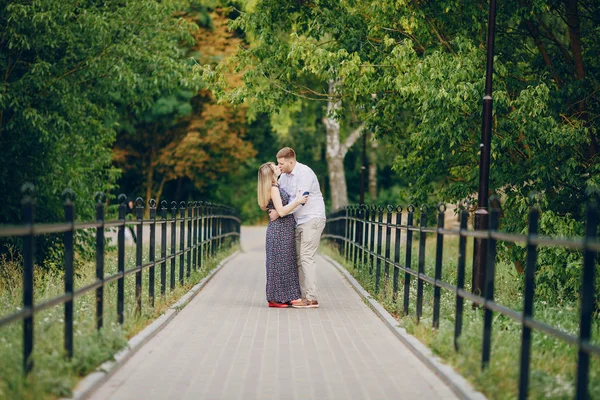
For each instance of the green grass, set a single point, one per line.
(553, 363)
(54, 375)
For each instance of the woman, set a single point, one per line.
(282, 274)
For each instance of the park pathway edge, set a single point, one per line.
(459, 385)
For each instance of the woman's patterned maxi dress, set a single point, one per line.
(282, 274)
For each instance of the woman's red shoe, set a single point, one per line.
(278, 305)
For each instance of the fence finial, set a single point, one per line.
(99, 197)
(28, 191)
(68, 195)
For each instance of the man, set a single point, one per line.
(310, 221)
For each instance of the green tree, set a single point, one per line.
(425, 63)
(65, 68)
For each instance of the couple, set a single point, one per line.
(297, 219)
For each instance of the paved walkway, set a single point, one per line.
(227, 344)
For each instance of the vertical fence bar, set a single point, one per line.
(490, 276)
(397, 253)
(213, 226)
(173, 242)
(163, 248)
(138, 253)
(152, 255)
(189, 239)
(28, 191)
(346, 233)
(421, 265)
(121, 260)
(587, 300)
(352, 237)
(100, 199)
(201, 234)
(460, 278)
(408, 257)
(388, 244)
(367, 223)
(68, 197)
(214, 223)
(379, 244)
(195, 234)
(534, 216)
(220, 228)
(181, 242)
(208, 230)
(360, 238)
(439, 249)
(372, 238)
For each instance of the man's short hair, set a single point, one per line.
(286, 152)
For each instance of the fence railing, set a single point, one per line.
(206, 227)
(359, 231)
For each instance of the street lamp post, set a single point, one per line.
(482, 215)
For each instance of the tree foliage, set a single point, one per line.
(186, 135)
(65, 69)
(425, 62)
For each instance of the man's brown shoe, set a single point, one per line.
(306, 304)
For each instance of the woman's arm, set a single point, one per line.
(285, 210)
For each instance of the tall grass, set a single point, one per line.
(54, 375)
(553, 362)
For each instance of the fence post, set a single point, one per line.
(379, 244)
(587, 300)
(163, 248)
(121, 259)
(439, 249)
(352, 234)
(173, 242)
(68, 198)
(490, 276)
(100, 199)
(534, 216)
(358, 235)
(200, 234)
(460, 278)
(152, 255)
(181, 242)
(138, 253)
(195, 233)
(388, 244)
(421, 266)
(372, 238)
(346, 232)
(27, 203)
(189, 238)
(408, 256)
(397, 253)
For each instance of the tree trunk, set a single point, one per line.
(336, 151)
(372, 154)
(575, 38)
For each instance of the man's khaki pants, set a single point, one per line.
(308, 237)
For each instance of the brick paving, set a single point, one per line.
(227, 344)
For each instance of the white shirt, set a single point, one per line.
(303, 179)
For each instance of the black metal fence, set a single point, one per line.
(359, 231)
(206, 226)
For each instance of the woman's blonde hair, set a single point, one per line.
(265, 181)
